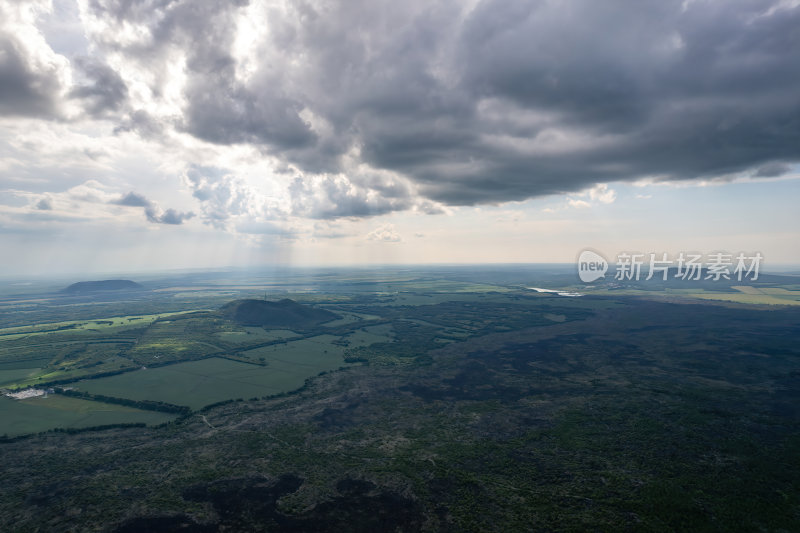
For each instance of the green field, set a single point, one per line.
(744, 295)
(105, 325)
(347, 318)
(314, 352)
(199, 383)
(20, 417)
(16, 374)
(755, 299)
(370, 335)
(253, 335)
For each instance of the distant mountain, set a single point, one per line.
(283, 313)
(83, 287)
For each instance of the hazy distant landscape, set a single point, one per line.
(412, 399)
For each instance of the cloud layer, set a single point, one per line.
(361, 108)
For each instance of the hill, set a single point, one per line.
(283, 313)
(106, 285)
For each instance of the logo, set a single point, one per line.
(634, 266)
(591, 266)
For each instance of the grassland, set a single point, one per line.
(15, 375)
(251, 335)
(66, 350)
(371, 335)
(42, 414)
(274, 369)
(110, 325)
(310, 352)
(200, 383)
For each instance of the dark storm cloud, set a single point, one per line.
(129, 9)
(142, 123)
(45, 204)
(223, 113)
(170, 216)
(132, 199)
(507, 101)
(645, 90)
(152, 211)
(220, 109)
(26, 89)
(773, 170)
(105, 90)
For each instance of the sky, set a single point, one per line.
(141, 135)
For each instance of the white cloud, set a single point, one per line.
(333, 196)
(384, 233)
(602, 194)
(578, 204)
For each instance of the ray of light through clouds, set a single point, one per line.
(150, 134)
